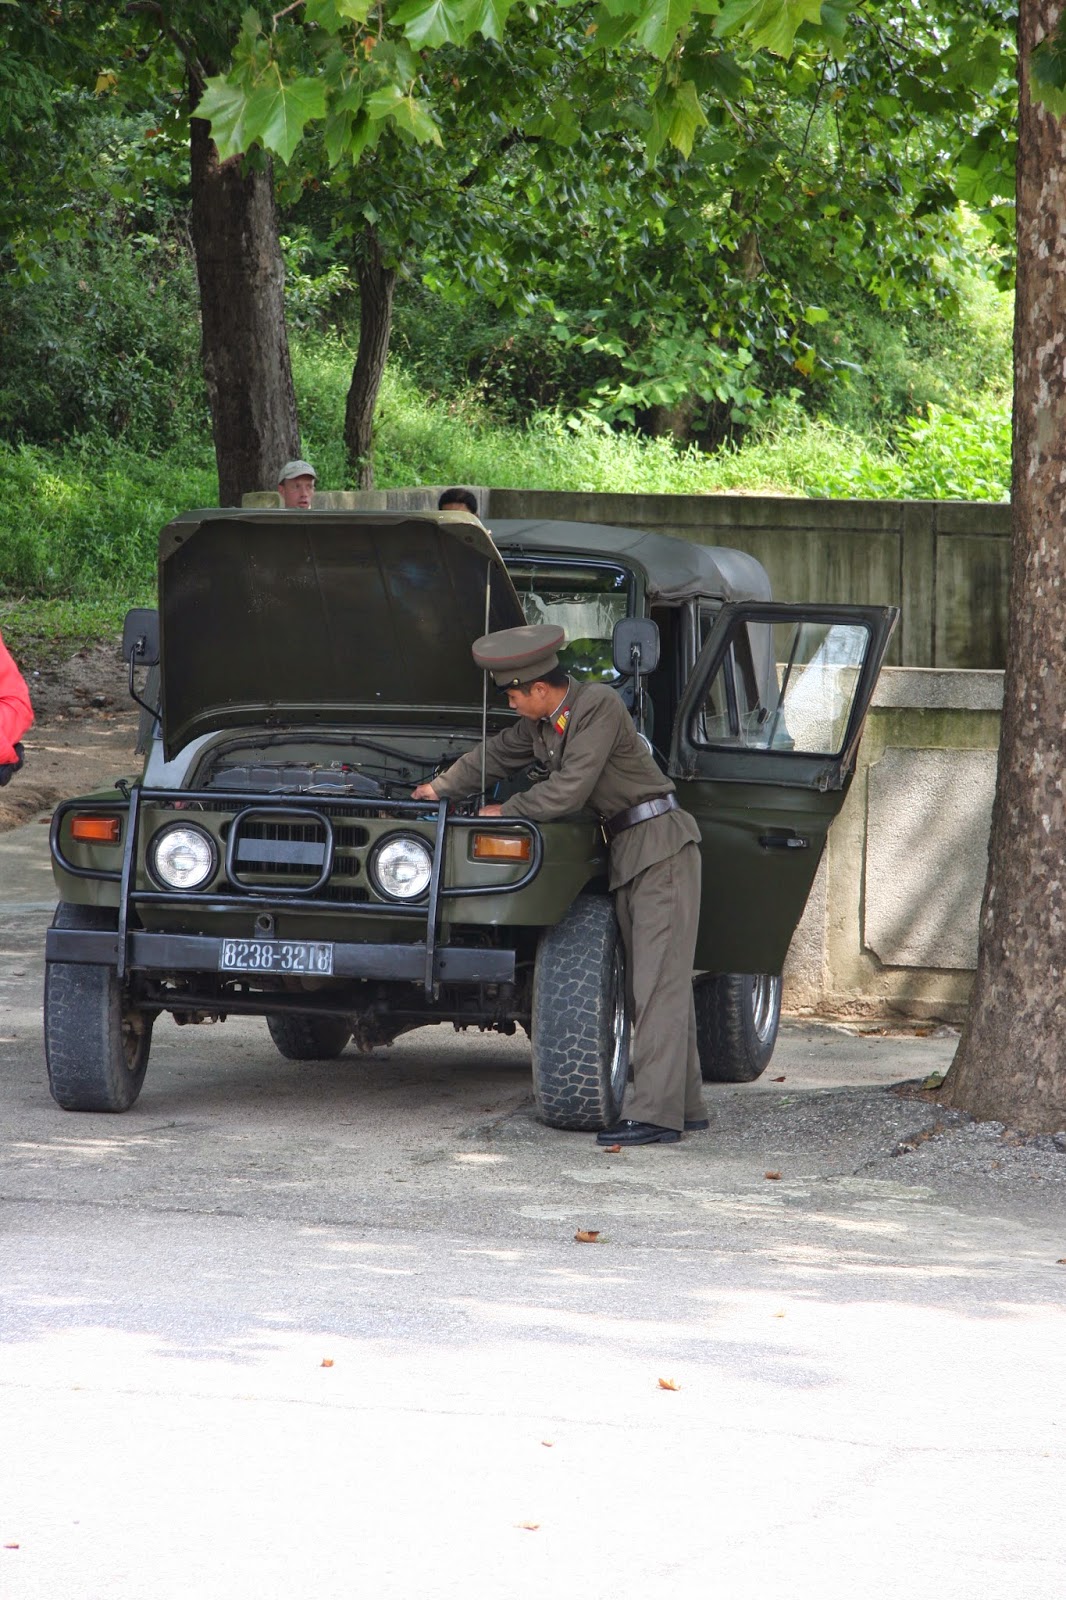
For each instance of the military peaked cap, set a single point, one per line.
(517, 656)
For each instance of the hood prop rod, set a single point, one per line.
(485, 681)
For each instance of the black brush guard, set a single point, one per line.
(425, 960)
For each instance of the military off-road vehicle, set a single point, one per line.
(308, 669)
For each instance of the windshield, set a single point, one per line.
(585, 600)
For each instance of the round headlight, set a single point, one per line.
(181, 857)
(402, 868)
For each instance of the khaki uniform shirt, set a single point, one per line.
(598, 762)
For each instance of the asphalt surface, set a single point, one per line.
(324, 1330)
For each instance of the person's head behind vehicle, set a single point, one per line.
(524, 663)
(458, 500)
(296, 485)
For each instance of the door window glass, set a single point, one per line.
(586, 601)
(787, 686)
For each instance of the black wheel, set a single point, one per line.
(737, 1017)
(303, 1038)
(580, 1023)
(95, 1043)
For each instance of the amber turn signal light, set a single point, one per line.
(96, 830)
(501, 847)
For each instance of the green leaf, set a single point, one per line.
(834, 19)
(226, 107)
(414, 119)
(428, 23)
(990, 178)
(489, 17)
(769, 24)
(382, 103)
(1047, 71)
(683, 117)
(814, 314)
(278, 112)
(334, 14)
(659, 24)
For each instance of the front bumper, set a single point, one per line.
(182, 952)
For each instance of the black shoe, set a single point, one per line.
(637, 1133)
(697, 1124)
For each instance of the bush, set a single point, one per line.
(106, 342)
(893, 365)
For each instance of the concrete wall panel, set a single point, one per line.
(928, 814)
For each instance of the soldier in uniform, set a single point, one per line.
(583, 734)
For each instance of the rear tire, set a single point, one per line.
(95, 1043)
(303, 1038)
(580, 1021)
(737, 1018)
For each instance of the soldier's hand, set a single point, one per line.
(491, 811)
(424, 791)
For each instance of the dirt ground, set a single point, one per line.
(83, 735)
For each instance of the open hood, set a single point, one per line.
(278, 617)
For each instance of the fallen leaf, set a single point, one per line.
(587, 1236)
(611, 1149)
(1061, 1262)
(11, 1547)
(668, 1383)
(934, 1080)
(779, 1313)
(777, 1080)
(771, 1174)
(922, 1033)
(549, 1444)
(327, 1361)
(530, 1527)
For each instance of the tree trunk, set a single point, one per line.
(1011, 1061)
(377, 283)
(245, 345)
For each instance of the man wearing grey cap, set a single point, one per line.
(584, 736)
(296, 485)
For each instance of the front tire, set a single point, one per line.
(303, 1038)
(737, 1018)
(580, 1018)
(95, 1043)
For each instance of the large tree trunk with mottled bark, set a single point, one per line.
(1011, 1062)
(242, 307)
(377, 284)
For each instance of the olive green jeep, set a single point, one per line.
(307, 669)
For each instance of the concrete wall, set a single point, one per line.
(944, 563)
(891, 925)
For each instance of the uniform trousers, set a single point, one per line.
(658, 913)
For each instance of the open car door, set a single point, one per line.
(762, 754)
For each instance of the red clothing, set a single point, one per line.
(16, 713)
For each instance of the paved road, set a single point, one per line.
(320, 1331)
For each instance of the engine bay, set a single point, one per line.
(361, 769)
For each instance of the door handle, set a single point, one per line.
(783, 841)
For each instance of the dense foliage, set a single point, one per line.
(619, 262)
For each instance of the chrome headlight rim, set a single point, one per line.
(156, 843)
(412, 841)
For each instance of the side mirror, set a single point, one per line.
(635, 646)
(140, 637)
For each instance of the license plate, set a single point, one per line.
(276, 955)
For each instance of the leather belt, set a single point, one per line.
(612, 826)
